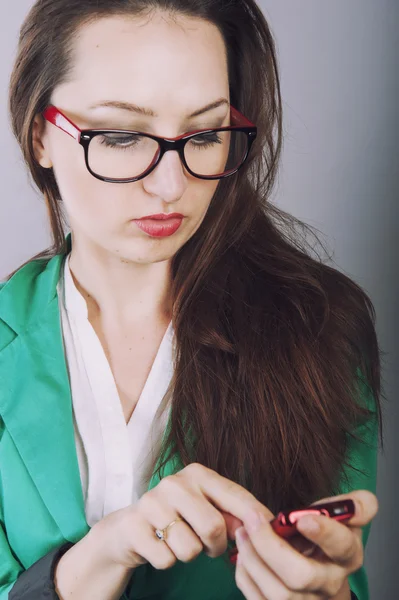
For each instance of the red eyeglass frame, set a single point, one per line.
(84, 136)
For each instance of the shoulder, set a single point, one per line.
(27, 271)
(21, 281)
(26, 294)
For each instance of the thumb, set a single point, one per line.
(366, 506)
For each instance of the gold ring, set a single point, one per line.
(161, 533)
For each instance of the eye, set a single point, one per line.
(205, 140)
(119, 140)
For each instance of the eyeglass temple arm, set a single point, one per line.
(238, 119)
(55, 116)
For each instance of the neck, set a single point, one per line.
(121, 290)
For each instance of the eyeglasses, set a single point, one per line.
(122, 156)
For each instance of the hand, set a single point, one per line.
(212, 507)
(269, 567)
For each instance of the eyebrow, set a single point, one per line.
(150, 113)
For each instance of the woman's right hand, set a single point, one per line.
(212, 508)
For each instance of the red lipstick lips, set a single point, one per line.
(163, 217)
(160, 225)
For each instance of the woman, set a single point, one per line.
(166, 380)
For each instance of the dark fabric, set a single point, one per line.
(37, 582)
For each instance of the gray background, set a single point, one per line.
(339, 173)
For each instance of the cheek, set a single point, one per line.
(87, 200)
(200, 194)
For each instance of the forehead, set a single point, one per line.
(178, 63)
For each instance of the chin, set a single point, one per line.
(147, 255)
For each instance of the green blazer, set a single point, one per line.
(41, 501)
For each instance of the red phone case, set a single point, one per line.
(284, 524)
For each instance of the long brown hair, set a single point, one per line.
(277, 357)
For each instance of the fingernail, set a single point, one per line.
(308, 524)
(241, 535)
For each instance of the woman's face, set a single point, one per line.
(172, 68)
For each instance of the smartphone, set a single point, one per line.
(284, 524)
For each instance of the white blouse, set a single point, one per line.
(115, 458)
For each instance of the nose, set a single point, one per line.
(169, 179)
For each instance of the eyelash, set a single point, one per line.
(113, 142)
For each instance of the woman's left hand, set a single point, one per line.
(270, 568)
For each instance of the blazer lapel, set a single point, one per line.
(35, 398)
(35, 395)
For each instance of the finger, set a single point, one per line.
(202, 520)
(145, 547)
(366, 506)
(296, 571)
(310, 550)
(181, 540)
(225, 494)
(255, 574)
(340, 542)
(302, 545)
(246, 584)
(232, 524)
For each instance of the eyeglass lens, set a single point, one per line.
(129, 155)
